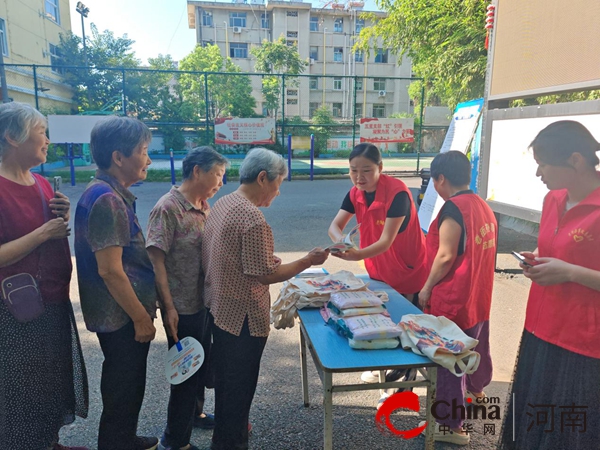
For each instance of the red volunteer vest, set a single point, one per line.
(568, 314)
(403, 265)
(464, 295)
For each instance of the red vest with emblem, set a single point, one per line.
(568, 314)
(464, 295)
(403, 265)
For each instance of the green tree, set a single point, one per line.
(98, 86)
(322, 119)
(444, 38)
(277, 58)
(228, 94)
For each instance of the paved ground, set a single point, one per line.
(299, 219)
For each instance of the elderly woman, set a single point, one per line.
(175, 231)
(239, 266)
(43, 383)
(116, 279)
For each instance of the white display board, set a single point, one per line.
(379, 131)
(232, 130)
(511, 175)
(459, 136)
(71, 129)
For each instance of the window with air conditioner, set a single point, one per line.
(379, 111)
(338, 54)
(314, 52)
(314, 83)
(237, 19)
(314, 24)
(238, 50)
(379, 84)
(337, 84)
(207, 19)
(338, 25)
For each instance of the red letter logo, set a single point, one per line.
(408, 400)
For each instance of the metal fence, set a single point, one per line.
(181, 106)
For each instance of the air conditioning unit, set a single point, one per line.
(382, 93)
(312, 61)
(237, 29)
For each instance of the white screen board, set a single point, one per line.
(71, 129)
(511, 174)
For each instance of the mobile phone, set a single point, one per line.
(57, 184)
(522, 259)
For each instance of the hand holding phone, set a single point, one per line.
(522, 259)
(57, 184)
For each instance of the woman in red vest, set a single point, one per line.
(461, 255)
(558, 368)
(392, 243)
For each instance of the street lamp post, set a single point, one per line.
(83, 10)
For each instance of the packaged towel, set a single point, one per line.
(356, 299)
(357, 311)
(369, 327)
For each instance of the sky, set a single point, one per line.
(156, 26)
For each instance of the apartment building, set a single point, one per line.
(324, 37)
(29, 34)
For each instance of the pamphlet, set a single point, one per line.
(346, 243)
(312, 272)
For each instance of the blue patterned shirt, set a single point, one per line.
(105, 217)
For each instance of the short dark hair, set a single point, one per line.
(117, 133)
(555, 144)
(204, 157)
(366, 150)
(455, 167)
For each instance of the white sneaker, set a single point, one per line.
(448, 436)
(371, 377)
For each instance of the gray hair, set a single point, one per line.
(16, 122)
(117, 133)
(259, 159)
(204, 157)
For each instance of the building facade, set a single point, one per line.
(29, 34)
(324, 37)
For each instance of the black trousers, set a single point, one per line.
(236, 362)
(182, 401)
(122, 387)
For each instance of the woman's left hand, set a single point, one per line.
(60, 206)
(348, 255)
(548, 271)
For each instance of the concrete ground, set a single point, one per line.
(300, 218)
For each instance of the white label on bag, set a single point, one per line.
(183, 360)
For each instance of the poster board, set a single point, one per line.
(71, 129)
(543, 47)
(509, 181)
(460, 135)
(232, 131)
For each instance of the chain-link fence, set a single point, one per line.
(181, 107)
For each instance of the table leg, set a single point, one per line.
(431, 392)
(304, 368)
(381, 375)
(328, 406)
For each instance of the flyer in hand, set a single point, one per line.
(347, 243)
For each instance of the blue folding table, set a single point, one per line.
(332, 354)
